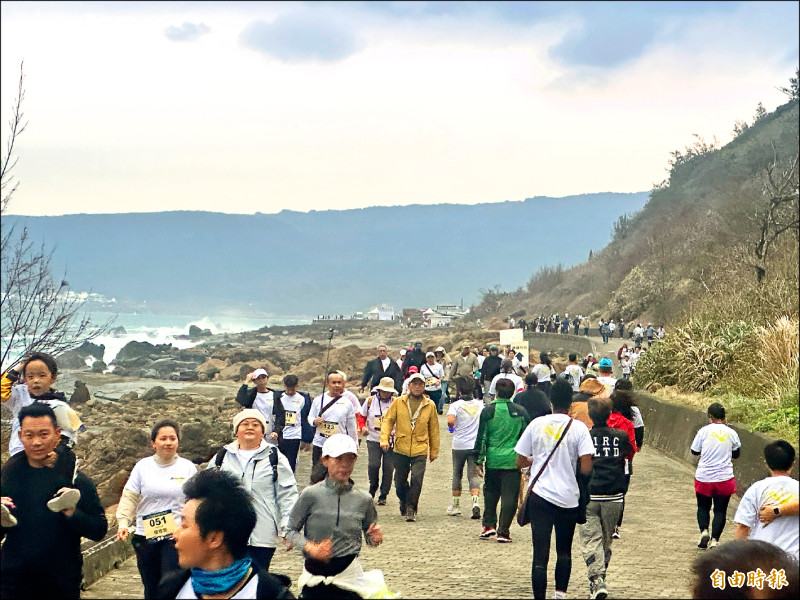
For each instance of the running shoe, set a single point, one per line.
(402, 510)
(487, 533)
(476, 511)
(8, 520)
(597, 589)
(504, 539)
(453, 511)
(615, 535)
(411, 515)
(64, 500)
(713, 544)
(381, 501)
(704, 537)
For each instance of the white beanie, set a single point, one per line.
(249, 413)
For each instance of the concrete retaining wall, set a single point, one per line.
(562, 344)
(102, 557)
(671, 428)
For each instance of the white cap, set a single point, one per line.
(339, 444)
(439, 349)
(415, 376)
(259, 372)
(403, 351)
(430, 354)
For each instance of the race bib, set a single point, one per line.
(376, 424)
(327, 428)
(291, 417)
(158, 526)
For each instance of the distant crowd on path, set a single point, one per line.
(578, 324)
(555, 450)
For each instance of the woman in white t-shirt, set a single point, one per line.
(433, 373)
(463, 420)
(716, 444)
(544, 373)
(554, 500)
(153, 499)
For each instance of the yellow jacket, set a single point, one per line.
(423, 439)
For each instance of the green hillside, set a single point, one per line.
(695, 231)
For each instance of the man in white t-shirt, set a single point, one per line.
(463, 419)
(575, 371)
(331, 413)
(555, 496)
(716, 444)
(768, 509)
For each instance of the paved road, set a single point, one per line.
(442, 557)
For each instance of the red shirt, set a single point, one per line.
(617, 421)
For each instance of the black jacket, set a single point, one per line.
(43, 551)
(374, 371)
(415, 357)
(535, 401)
(269, 585)
(491, 367)
(608, 463)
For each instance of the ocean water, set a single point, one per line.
(162, 329)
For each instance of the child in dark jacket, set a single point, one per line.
(606, 491)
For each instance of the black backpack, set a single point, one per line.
(273, 460)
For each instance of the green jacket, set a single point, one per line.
(501, 426)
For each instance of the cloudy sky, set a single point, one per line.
(245, 107)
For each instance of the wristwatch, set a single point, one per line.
(776, 510)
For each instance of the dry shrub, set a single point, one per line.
(771, 368)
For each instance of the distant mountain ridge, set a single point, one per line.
(324, 261)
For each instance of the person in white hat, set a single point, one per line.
(374, 408)
(417, 437)
(266, 473)
(433, 373)
(329, 522)
(260, 398)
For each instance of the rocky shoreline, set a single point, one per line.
(196, 387)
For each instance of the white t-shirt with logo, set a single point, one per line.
(373, 409)
(340, 412)
(518, 382)
(577, 372)
(465, 430)
(783, 530)
(557, 484)
(543, 372)
(293, 404)
(160, 487)
(263, 403)
(715, 443)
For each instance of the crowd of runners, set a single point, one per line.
(551, 449)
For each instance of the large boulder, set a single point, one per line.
(154, 393)
(235, 372)
(134, 349)
(80, 395)
(210, 367)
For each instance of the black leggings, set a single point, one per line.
(720, 513)
(545, 517)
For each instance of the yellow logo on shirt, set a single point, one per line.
(554, 431)
(473, 410)
(780, 496)
(720, 435)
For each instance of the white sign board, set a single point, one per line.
(510, 336)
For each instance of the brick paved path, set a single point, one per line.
(442, 557)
